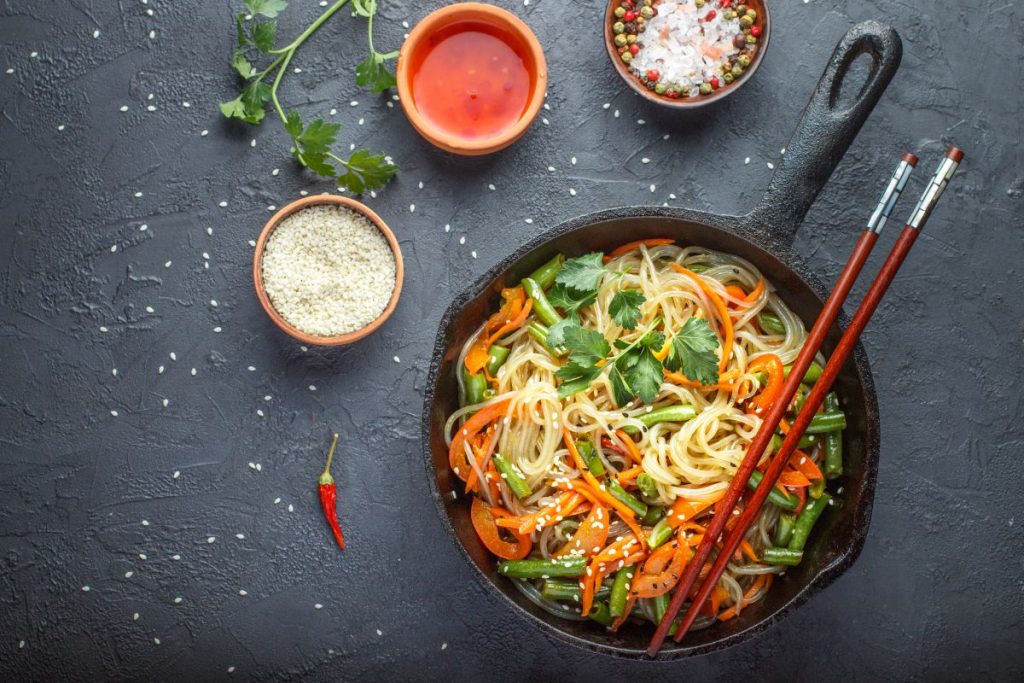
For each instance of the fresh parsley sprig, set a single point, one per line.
(635, 371)
(256, 32)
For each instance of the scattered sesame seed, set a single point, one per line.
(473, 253)
(135, 617)
(645, 160)
(231, 669)
(490, 186)
(114, 413)
(397, 359)
(85, 589)
(243, 592)
(211, 539)
(156, 641)
(193, 372)
(240, 537)
(177, 601)
(203, 133)
(572, 191)
(318, 606)
(747, 160)
(379, 632)
(616, 113)
(412, 208)
(222, 204)
(291, 508)
(444, 646)
(528, 220)
(129, 574)
(177, 473)
(771, 165)
(652, 187)
(60, 127)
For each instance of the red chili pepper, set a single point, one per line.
(329, 496)
(755, 31)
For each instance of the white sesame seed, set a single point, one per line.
(156, 641)
(193, 372)
(771, 165)
(142, 556)
(572, 191)
(243, 592)
(379, 632)
(616, 113)
(128, 574)
(114, 413)
(231, 669)
(747, 160)
(203, 133)
(85, 589)
(318, 606)
(177, 473)
(606, 105)
(397, 359)
(177, 601)
(291, 508)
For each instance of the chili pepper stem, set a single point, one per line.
(325, 476)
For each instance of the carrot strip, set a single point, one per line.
(479, 420)
(683, 380)
(736, 292)
(770, 363)
(514, 324)
(630, 246)
(685, 510)
(755, 293)
(748, 550)
(630, 474)
(794, 479)
(631, 450)
(723, 313)
(762, 580)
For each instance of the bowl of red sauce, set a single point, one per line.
(471, 78)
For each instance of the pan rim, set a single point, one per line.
(738, 227)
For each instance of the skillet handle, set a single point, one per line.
(825, 132)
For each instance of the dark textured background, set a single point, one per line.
(203, 498)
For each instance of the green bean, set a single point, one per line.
(541, 306)
(542, 569)
(678, 413)
(783, 500)
(807, 441)
(512, 476)
(660, 604)
(659, 534)
(546, 274)
(773, 445)
(647, 485)
(698, 267)
(496, 358)
(805, 522)
(833, 444)
(615, 488)
(832, 421)
(655, 513)
(782, 556)
(784, 530)
(816, 489)
(475, 385)
(620, 591)
(771, 324)
(599, 613)
(590, 456)
(801, 399)
(810, 376)
(568, 590)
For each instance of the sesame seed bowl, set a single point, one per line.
(684, 54)
(327, 270)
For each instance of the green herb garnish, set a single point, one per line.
(256, 31)
(625, 308)
(693, 351)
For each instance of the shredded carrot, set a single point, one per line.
(514, 324)
(755, 293)
(748, 550)
(685, 510)
(480, 419)
(591, 535)
(793, 479)
(509, 317)
(804, 464)
(630, 474)
(723, 313)
(631, 450)
(736, 292)
(771, 364)
(592, 490)
(683, 380)
(764, 580)
(630, 246)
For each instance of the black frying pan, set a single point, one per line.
(764, 237)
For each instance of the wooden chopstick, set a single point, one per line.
(815, 337)
(828, 376)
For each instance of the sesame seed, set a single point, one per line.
(397, 359)
(85, 589)
(318, 606)
(211, 539)
(746, 161)
(129, 574)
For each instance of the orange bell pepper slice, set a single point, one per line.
(483, 517)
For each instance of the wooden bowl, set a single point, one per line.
(480, 13)
(261, 291)
(634, 82)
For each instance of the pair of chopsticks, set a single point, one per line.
(775, 413)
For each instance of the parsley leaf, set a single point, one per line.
(373, 74)
(569, 300)
(625, 308)
(263, 35)
(621, 391)
(312, 145)
(249, 105)
(242, 65)
(645, 375)
(243, 37)
(366, 171)
(556, 335)
(588, 347)
(692, 350)
(582, 273)
(268, 8)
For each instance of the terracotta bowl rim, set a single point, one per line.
(257, 268)
(481, 12)
(686, 102)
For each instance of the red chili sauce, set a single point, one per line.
(471, 80)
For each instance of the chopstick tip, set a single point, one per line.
(910, 158)
(955, 153)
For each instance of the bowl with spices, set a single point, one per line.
(471, 78)
(686, 53)
(327, 270)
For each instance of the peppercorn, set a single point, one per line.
(618, 27)
(715, 82)
(630, 27)
(646, 12)
(739, 40)
(737, 71)
(699, 3)
(755, 31)
(648, 3)
(674, 94)
(742, 9)
(631, 39)
(653, 74)
(751, 40)
(634, 48)
(629, 16)
(744, 60)
(627, 56)
(730, 14)
(620, 11)
(660, 88)
(746, 21)
(728, 77)
(620, 40)
(705, 88)
(752, 13)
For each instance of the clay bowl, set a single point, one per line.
(514, 30)
(693, 102)
(257, 269)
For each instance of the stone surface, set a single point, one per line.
(147, 506)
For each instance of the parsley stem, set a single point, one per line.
(311, 29)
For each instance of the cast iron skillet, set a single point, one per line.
(764, 237)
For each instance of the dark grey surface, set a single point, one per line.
(936, 594)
